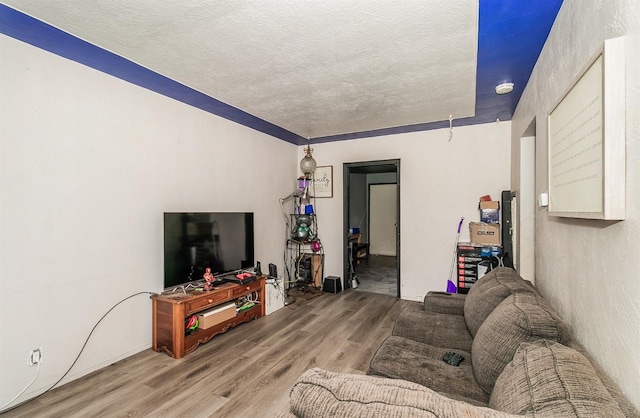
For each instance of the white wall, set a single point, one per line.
(88, 165)
(589, 269)
(440, 181)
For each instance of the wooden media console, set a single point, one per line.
(171, 310)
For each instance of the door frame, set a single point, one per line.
(370, 167)
(525, 251)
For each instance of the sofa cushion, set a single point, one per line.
(487, 293)
(522, 317)
(546, 378)
(437, 329)
(443, 302)
(321, 393)
(402, 358)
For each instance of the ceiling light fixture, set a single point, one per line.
(308, 164)
(504, 88)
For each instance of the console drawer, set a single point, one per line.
(206, 301)
(247, 288)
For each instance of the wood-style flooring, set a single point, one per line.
(246, 372)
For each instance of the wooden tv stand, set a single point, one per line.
(170, 311)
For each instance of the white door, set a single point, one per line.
(383, 210)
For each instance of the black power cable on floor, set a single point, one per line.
(79, 354)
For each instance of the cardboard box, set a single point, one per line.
(484, 233)
(217, 315)
(489, 212)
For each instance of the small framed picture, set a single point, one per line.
(323, 182)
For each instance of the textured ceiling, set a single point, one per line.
(315, 68)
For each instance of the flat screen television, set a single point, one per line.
(197, 240)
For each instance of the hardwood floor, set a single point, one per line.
(246, 372)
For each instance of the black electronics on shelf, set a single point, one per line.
(507, 226)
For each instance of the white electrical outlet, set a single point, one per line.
(35, 357)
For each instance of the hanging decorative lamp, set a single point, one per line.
(308, 164)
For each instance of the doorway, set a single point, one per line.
(371, 214)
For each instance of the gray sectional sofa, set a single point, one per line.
(520, 359)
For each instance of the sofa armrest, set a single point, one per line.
(320, 393)
(442, 302)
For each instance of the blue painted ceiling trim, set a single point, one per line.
(39, 34)
(511, 35)
(510, 38)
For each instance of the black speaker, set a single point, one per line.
(273, 270)
(332, 284)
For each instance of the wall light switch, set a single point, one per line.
(543, 200)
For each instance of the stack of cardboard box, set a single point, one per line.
(487, 231)
(474, 258)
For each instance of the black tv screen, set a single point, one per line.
(195, 241)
